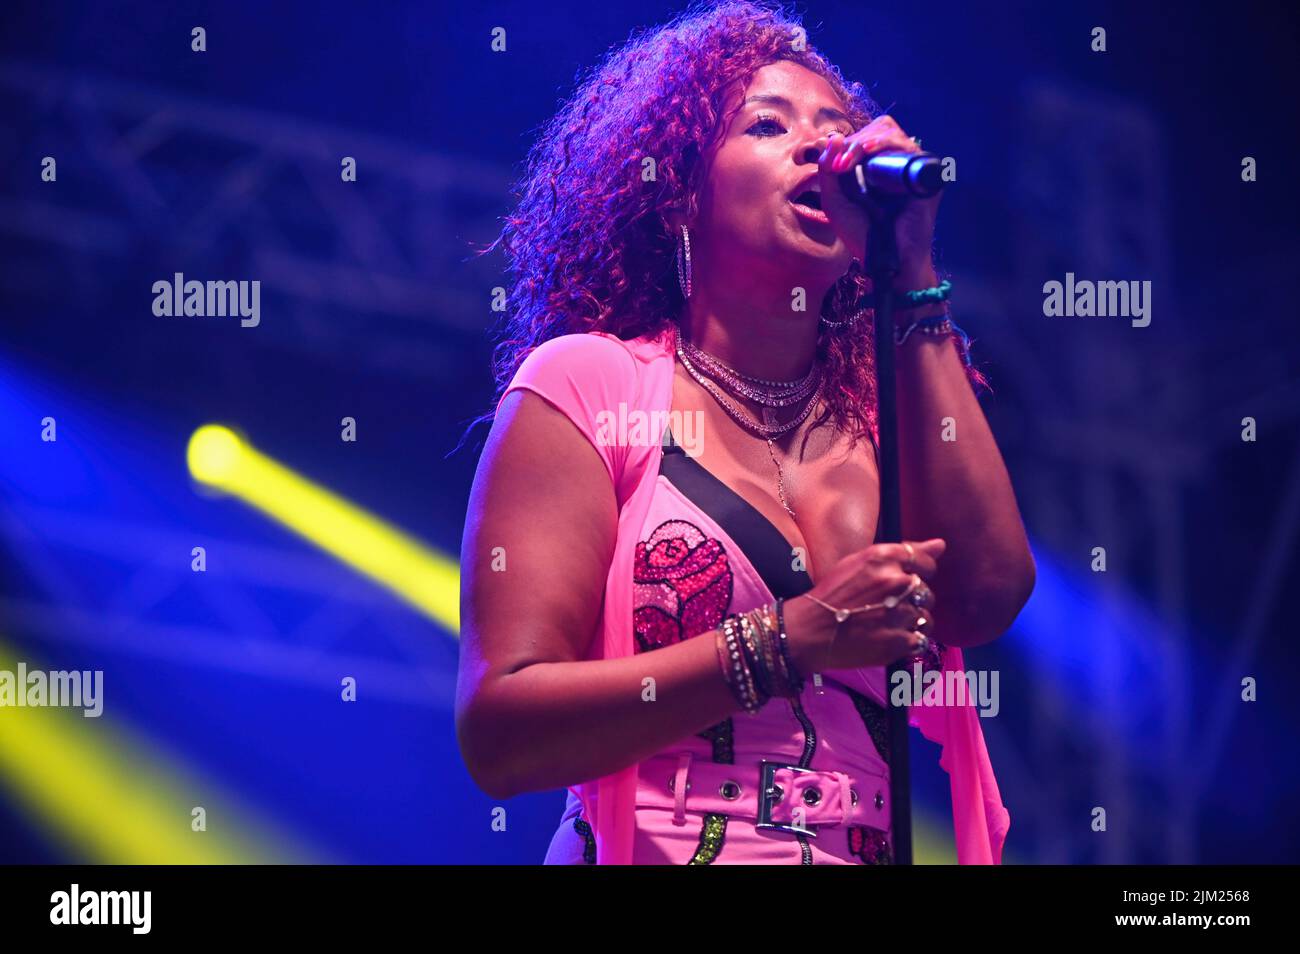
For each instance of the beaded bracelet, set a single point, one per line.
(736, 668)
(733, 665)
(938, 326)
(925, 296)
(753, 651)
(914, 299)
(758, 691)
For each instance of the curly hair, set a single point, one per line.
(589, 246)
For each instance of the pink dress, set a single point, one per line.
(803, 781)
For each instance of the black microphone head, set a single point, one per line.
(918, 174)
(925, 175)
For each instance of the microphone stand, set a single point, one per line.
(882, 266)
(883, 186)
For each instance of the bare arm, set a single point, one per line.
(958, 490)
(531, 713)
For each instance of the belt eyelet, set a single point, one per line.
(880, 801)
(853, 796)
(729, 790)
(812, 796)
(771, 794)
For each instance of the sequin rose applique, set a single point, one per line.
(681, 585)
(588, 839)
(870, 844)
(932, 658)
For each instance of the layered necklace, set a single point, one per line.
(769, 395)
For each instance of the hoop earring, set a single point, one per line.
(684, 262)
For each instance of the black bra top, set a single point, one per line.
(763, 544)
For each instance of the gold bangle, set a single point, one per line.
(763, 638)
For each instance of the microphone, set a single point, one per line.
(909, 174)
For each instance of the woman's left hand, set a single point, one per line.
(915, 226)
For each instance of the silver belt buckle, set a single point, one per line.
(769, 793)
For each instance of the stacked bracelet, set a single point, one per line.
(736, 667)
(939, 326)
(776, 651)
(753, 650)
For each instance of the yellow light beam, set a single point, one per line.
(424, 578)
(111, 800)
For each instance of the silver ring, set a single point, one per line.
(889, 602)
(922, 647)
(921, 596)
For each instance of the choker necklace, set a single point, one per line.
(759, 390)
(769, 394)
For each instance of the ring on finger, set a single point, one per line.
(911, 554)
(921, 596)
(922, 647)
(892, 601)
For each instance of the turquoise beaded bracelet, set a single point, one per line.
(914, 299)
(927, 296)
(939, 324)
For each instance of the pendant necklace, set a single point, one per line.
(770, 395)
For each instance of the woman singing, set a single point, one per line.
(672, 604)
